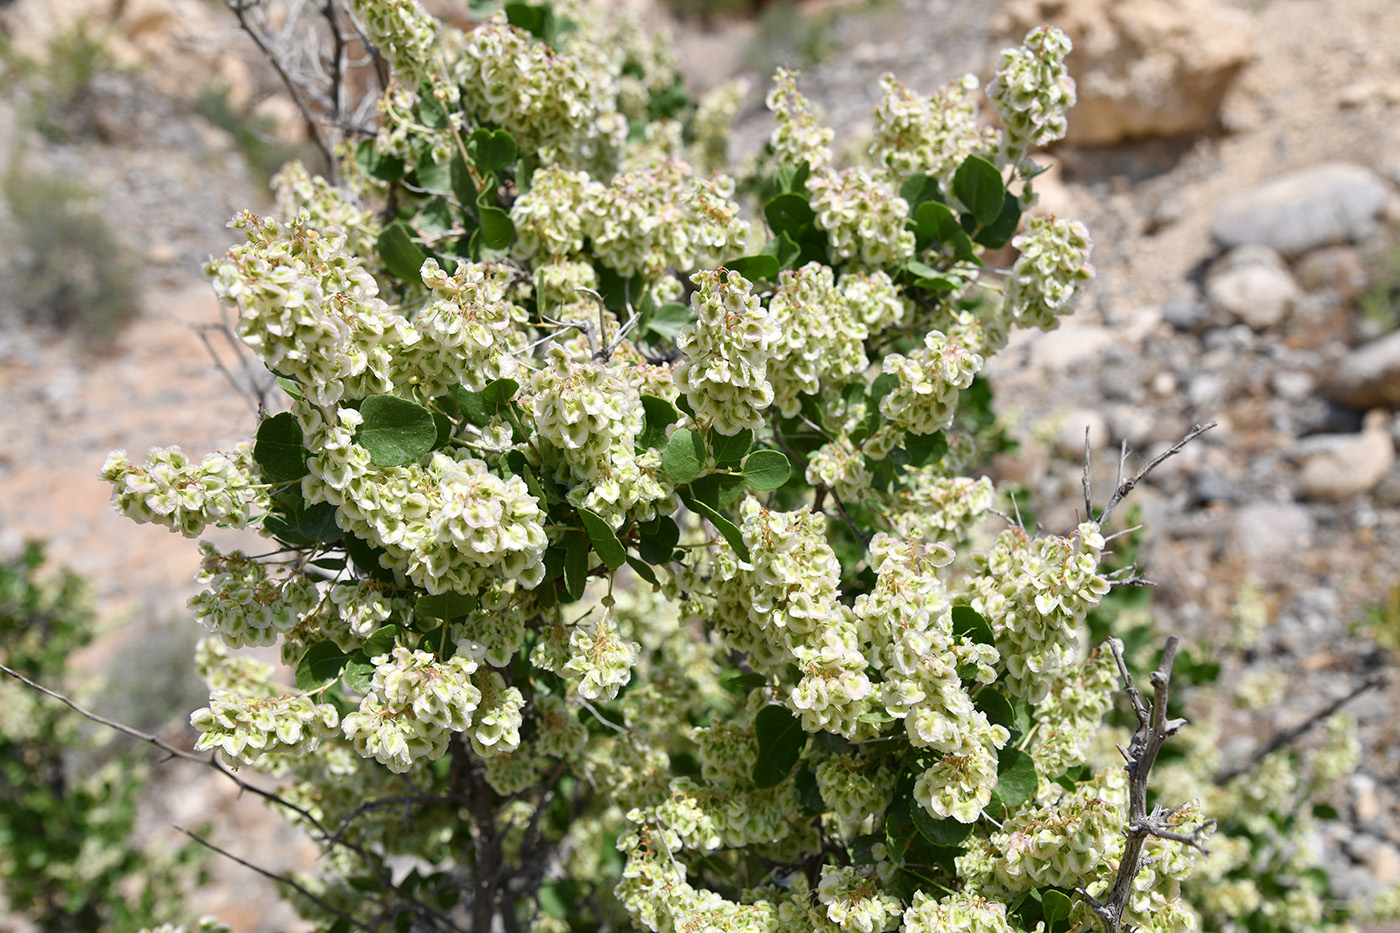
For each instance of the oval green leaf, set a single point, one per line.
(969, 623)
(400, 255)
(1055, 906)
(668, 320)
(320, 666)
(1016, 778)
(497, 229)
(978, 185)
(684, 456)
(279, 451)
(500, 391)
(730, 448)
(659, 415)
(603, 539)
(446, 607)
(945, 832)
(780, 744)
(395, 431)
(766, 469)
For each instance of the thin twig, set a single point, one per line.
(1126, 486)
(1152, 733)
(1088, 502)
(282, 880)
(1288, 736)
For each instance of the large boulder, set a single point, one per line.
(1327, 203)
(1143, 68)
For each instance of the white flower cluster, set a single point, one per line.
(820, 337)
(929, 382)
(244, 604)
(404, 33)
(840, 468)
(856, 788)
(600, 660)
(309, 308)
(907, 621)
(414, 705)
(246, 728)
(714, 114)
(169, 490)
(863, 216)
(781, 608)
(1032, 90)
(452, 526)
(203, 925)
(465, 335)
(930, 135)
(297, 190)
(854, 901)
(798, 136)
(1071, 715)
(940, 508)
(956, 913)
(549, 215)
(1035, 593)
(551, 103)
(1052, 266)
(725, 373)
(875, 299)
(587, 417)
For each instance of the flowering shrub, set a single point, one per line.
(627, 539)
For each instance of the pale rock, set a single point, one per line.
(1389, 161)
(1143, 68)
(1368, 376)
(1335, 467)
(1251, 285)
(1069, 439)
(1331, 202)
(1266, 534)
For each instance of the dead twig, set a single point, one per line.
(1154, 728)
(1126, 486)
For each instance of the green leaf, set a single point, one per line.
(978, 185)
(766, 469)
(447, 607)
(492, 151)
(969, 623)
(1054, 906)
(935, 223)
(723, 524)
(463, 185)
(576, 565)
(401, 256)
(780, 744)
(381, 641)
(999, 232)
(789, 214)
(659, 415)
(925, 448)
(657, 546)
(730, 448)
(377, 165)
(783, 249)
(366, 558)
(538, 21)
(1016, 778)
(718, 490)
(497, 230)
(604, 539)
(471, 406)
(945, 832)
(917, 189)
(358, 674)
(395, 431)
(997, 708)
(430, 109)
(793, 178)
(320, 666)
(642, 570)
(741, 682)
(500, 391)
(279, 451)
(669, 320)
(436, 217)
(760, 267)
(684, 456)
(434, 177)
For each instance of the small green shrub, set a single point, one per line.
(253, 134)
(57, 84)
(67, 269)
(67, 795)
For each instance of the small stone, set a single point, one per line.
(1369, 376)
(1206, 390)
(1291, 385)
(1264, 534)
(1186, 314)
(1365, 801)
(1332, 202)
(1338, 466)
(1252, 285)
(1335, 268)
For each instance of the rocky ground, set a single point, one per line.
(1223, 294)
